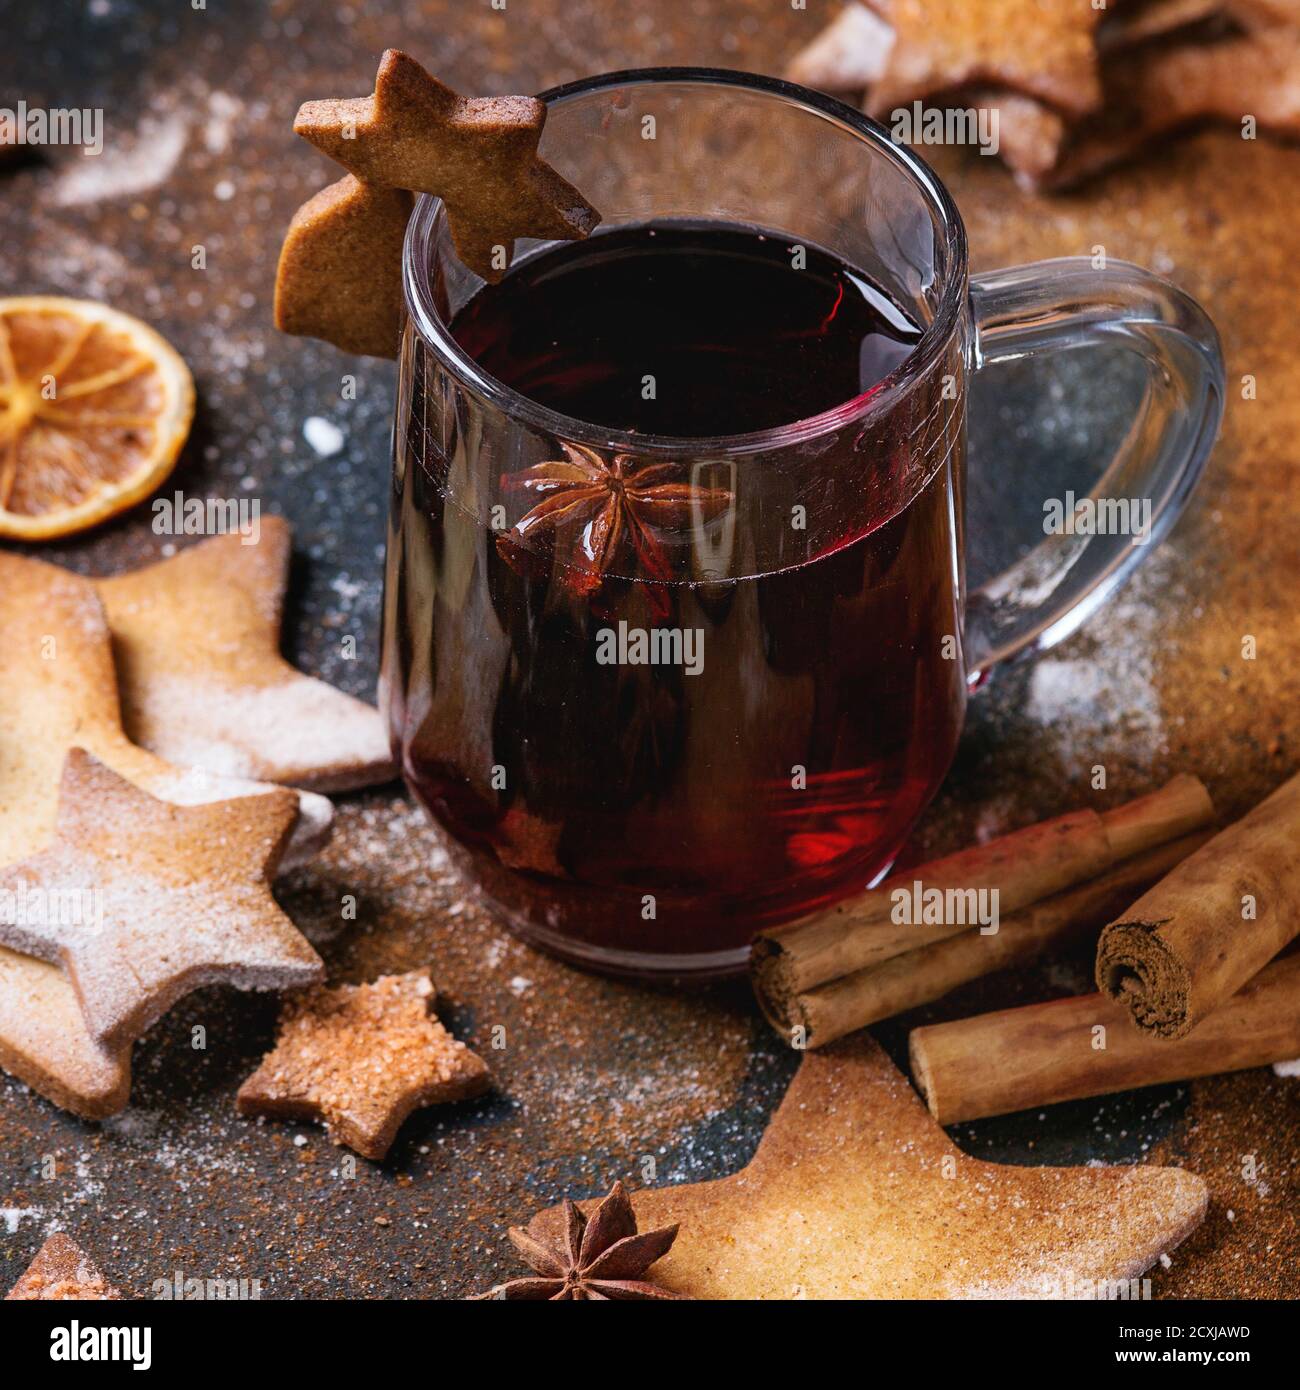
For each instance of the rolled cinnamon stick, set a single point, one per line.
(918, 977)
(1071, 1048)
(1210, 925)
(1024, 868)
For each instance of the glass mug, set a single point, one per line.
(645, 817)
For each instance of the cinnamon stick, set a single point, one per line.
(1024, 868)
(1191, 942)
(918, 977)
(1020, 1059)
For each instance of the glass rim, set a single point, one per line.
(876, 399)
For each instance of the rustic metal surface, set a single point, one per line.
(597, 1079)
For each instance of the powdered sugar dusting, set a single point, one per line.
(176, 900)
(1082, 701)
(13, 1217)
(130, 164)
(195, 786)
(295, 730)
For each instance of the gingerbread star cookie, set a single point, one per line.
(197, 643)
(45, 1043)
(478, 154)
(361, 1058)
(1162, 87)
(1046, 49)
(852, 52)
(62, 1270)
(142, 901)
(340, 275)
(1162, 65)
(61, 689)
(849, 54)
(855, 1192)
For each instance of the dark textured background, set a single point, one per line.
(601, 1080)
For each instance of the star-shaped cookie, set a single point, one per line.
(141, 901)
(45, 1043)
(60, 689)
(361, 1058)
(1159, 88)
(61, 1270)
(854, 52)
(1046, 49)
(478, 154)
(197, 645)
(340, 273)
(855, 1192)
(849, 54)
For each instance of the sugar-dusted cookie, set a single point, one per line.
(848, 55)
(45, 1043)
(197, 644)
(1047, 49)
(361, 1058)
(1159, 88)
(61, 690)
(855, 1192)
(142, 901)
(62, 1270)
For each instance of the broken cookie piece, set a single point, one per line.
(61, 1270)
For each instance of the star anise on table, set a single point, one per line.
(577, 1258)
(587, 510)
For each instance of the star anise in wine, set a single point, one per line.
(586, 511)
(578, 1258)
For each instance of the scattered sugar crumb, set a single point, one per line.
(224, 111)
(323, 435)
(12, 1217)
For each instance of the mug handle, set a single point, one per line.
(1056, 305)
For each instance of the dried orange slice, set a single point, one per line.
(94, 409)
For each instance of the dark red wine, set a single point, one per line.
(633, 805)
(733, 336)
